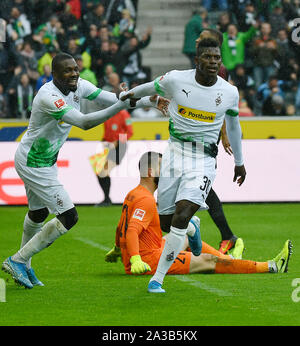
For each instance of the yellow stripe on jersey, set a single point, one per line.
(196, 114)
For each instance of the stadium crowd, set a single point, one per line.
(258, 50)
(100, 34)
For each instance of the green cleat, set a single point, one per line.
(282, 259)
(238, 249)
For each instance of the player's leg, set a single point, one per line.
(210, 263)
(217, 214)
(52, 195)
(175, 239)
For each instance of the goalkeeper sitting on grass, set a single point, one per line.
(139, 240)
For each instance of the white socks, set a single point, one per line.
(49, 232)
(191, 229)
(30, 228)
(173, 245)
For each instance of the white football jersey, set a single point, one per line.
(196, 112)
(46, 132)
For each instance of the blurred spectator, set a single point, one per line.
(246, 17)
(45, 78)
(264, 55)
(114, 10)
(283, 48)
(22, 93)
(274, 105)
(108, 69)
(46, 59)
(134, 68)
(6, 70)
(223, 21)
(92, 40)
(84, 72)
(290, 110)
(100, 58)
(191, 32)
(19, 26)
(222, 5)
(28, 61)
(73, 48)
(71, 25)
(75, 8)
(244, 109)
(3, 103)
(113, 82)
(233, 47)
(96, 16)
(269, 89)
(126, 23)
(277, 19)
(245, 83)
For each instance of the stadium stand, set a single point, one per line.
(140, 40)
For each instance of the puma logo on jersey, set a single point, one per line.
(186, 92)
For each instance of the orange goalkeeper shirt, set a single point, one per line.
(138, 231)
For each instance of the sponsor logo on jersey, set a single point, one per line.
(196, 114)
(59, 103)
(139, 214)
(76, 98)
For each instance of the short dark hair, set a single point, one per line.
(148, 160)
(217, 33)
(58, 59)
(207, 43)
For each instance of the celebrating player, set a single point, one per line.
(215, 206)
(140, 243)
(199, 101)
(56, 107)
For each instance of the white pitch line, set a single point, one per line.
(203, 286)
(93, 244)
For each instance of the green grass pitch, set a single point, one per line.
(81, 289)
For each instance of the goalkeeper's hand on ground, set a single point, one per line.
(113, 255)
(138, 266)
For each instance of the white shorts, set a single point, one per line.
(185, 175)
(43, 189)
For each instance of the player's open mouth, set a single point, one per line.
(212, 69)
(73, 81)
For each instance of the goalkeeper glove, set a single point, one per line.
(113, 255)
(138, 266)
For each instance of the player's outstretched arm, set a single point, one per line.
(146, 89)
(234, 133)
(90, 120)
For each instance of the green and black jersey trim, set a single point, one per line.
(232, 113)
